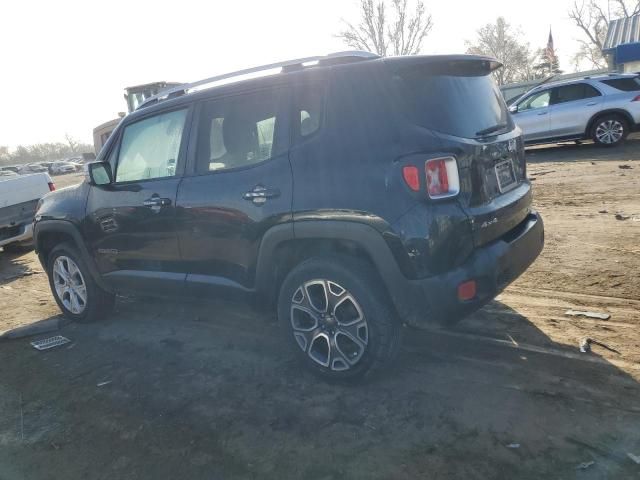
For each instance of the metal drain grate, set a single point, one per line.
(50, 342)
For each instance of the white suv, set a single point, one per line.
(604, 108)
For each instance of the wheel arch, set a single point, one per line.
(49, 233)
(281, 250)
(611, 111)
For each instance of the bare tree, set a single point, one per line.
(592, 18)
(73, 144)
(402, 34)
(501, 41)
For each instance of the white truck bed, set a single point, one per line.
(19, 198)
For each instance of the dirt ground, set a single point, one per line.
(166, 389)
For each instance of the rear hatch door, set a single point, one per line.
(457, 99)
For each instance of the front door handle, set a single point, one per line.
(543, 113)
(260, 194)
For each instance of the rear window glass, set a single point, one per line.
(624, 84)
(458, 100)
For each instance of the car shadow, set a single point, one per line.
(14, 266)
(212, 389)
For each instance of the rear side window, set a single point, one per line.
(570, 93)
(238, 131)
(456, 98)
(624, 84)
(150, 147)
(308, 110)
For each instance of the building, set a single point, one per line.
(622, 44)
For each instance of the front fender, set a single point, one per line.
(68, 229)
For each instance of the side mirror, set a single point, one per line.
(513, 108)
(99, 173)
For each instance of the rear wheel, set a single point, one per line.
(610, 130)
(337, 318)
(73, 287)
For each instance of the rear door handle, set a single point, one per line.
(156, 201)
(260, 194)
(591, 104)
(543, 113)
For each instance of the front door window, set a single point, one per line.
(150, 147)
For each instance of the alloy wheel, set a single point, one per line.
(329, 324)
(69, 284)
(609, 132)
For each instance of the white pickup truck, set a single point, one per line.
(19, 196)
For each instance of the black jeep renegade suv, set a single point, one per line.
(355, 194)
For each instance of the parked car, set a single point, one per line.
(7, 173)
(352, 196)
(32, 168)
(603, 108)
(19, 196)
(59, 168)
(79, 166)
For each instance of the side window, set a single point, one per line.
(590, 92)
(624, 84)
(539, 100)
(308, 110)
(570, 93)
(238, 131)
(150, 147)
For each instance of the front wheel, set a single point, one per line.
(610, 130)
(337, 318)
(73, 287)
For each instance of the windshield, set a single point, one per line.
(458, 99)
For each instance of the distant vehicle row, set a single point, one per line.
(54, 168)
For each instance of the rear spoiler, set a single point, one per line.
(445, 64)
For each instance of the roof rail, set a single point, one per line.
(300, 62)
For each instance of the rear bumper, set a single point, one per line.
(23, 233)
(493, 267)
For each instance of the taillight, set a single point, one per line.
(52, 186)
(467, 290)
(636, 99)
(411, 176)
(442, 177)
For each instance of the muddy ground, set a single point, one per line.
(206, 390)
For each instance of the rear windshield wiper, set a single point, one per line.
(493, 129)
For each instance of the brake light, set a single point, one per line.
(52, 186)
(467, 290)
(411, 177)
(442, 177)
(636, 99)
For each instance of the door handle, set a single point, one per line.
(543, 113)
(591, 104)
(260, 194)
(156, 201)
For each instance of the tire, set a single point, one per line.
(19, 247)
(610, 130)
(357, 335)
(67, 274)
